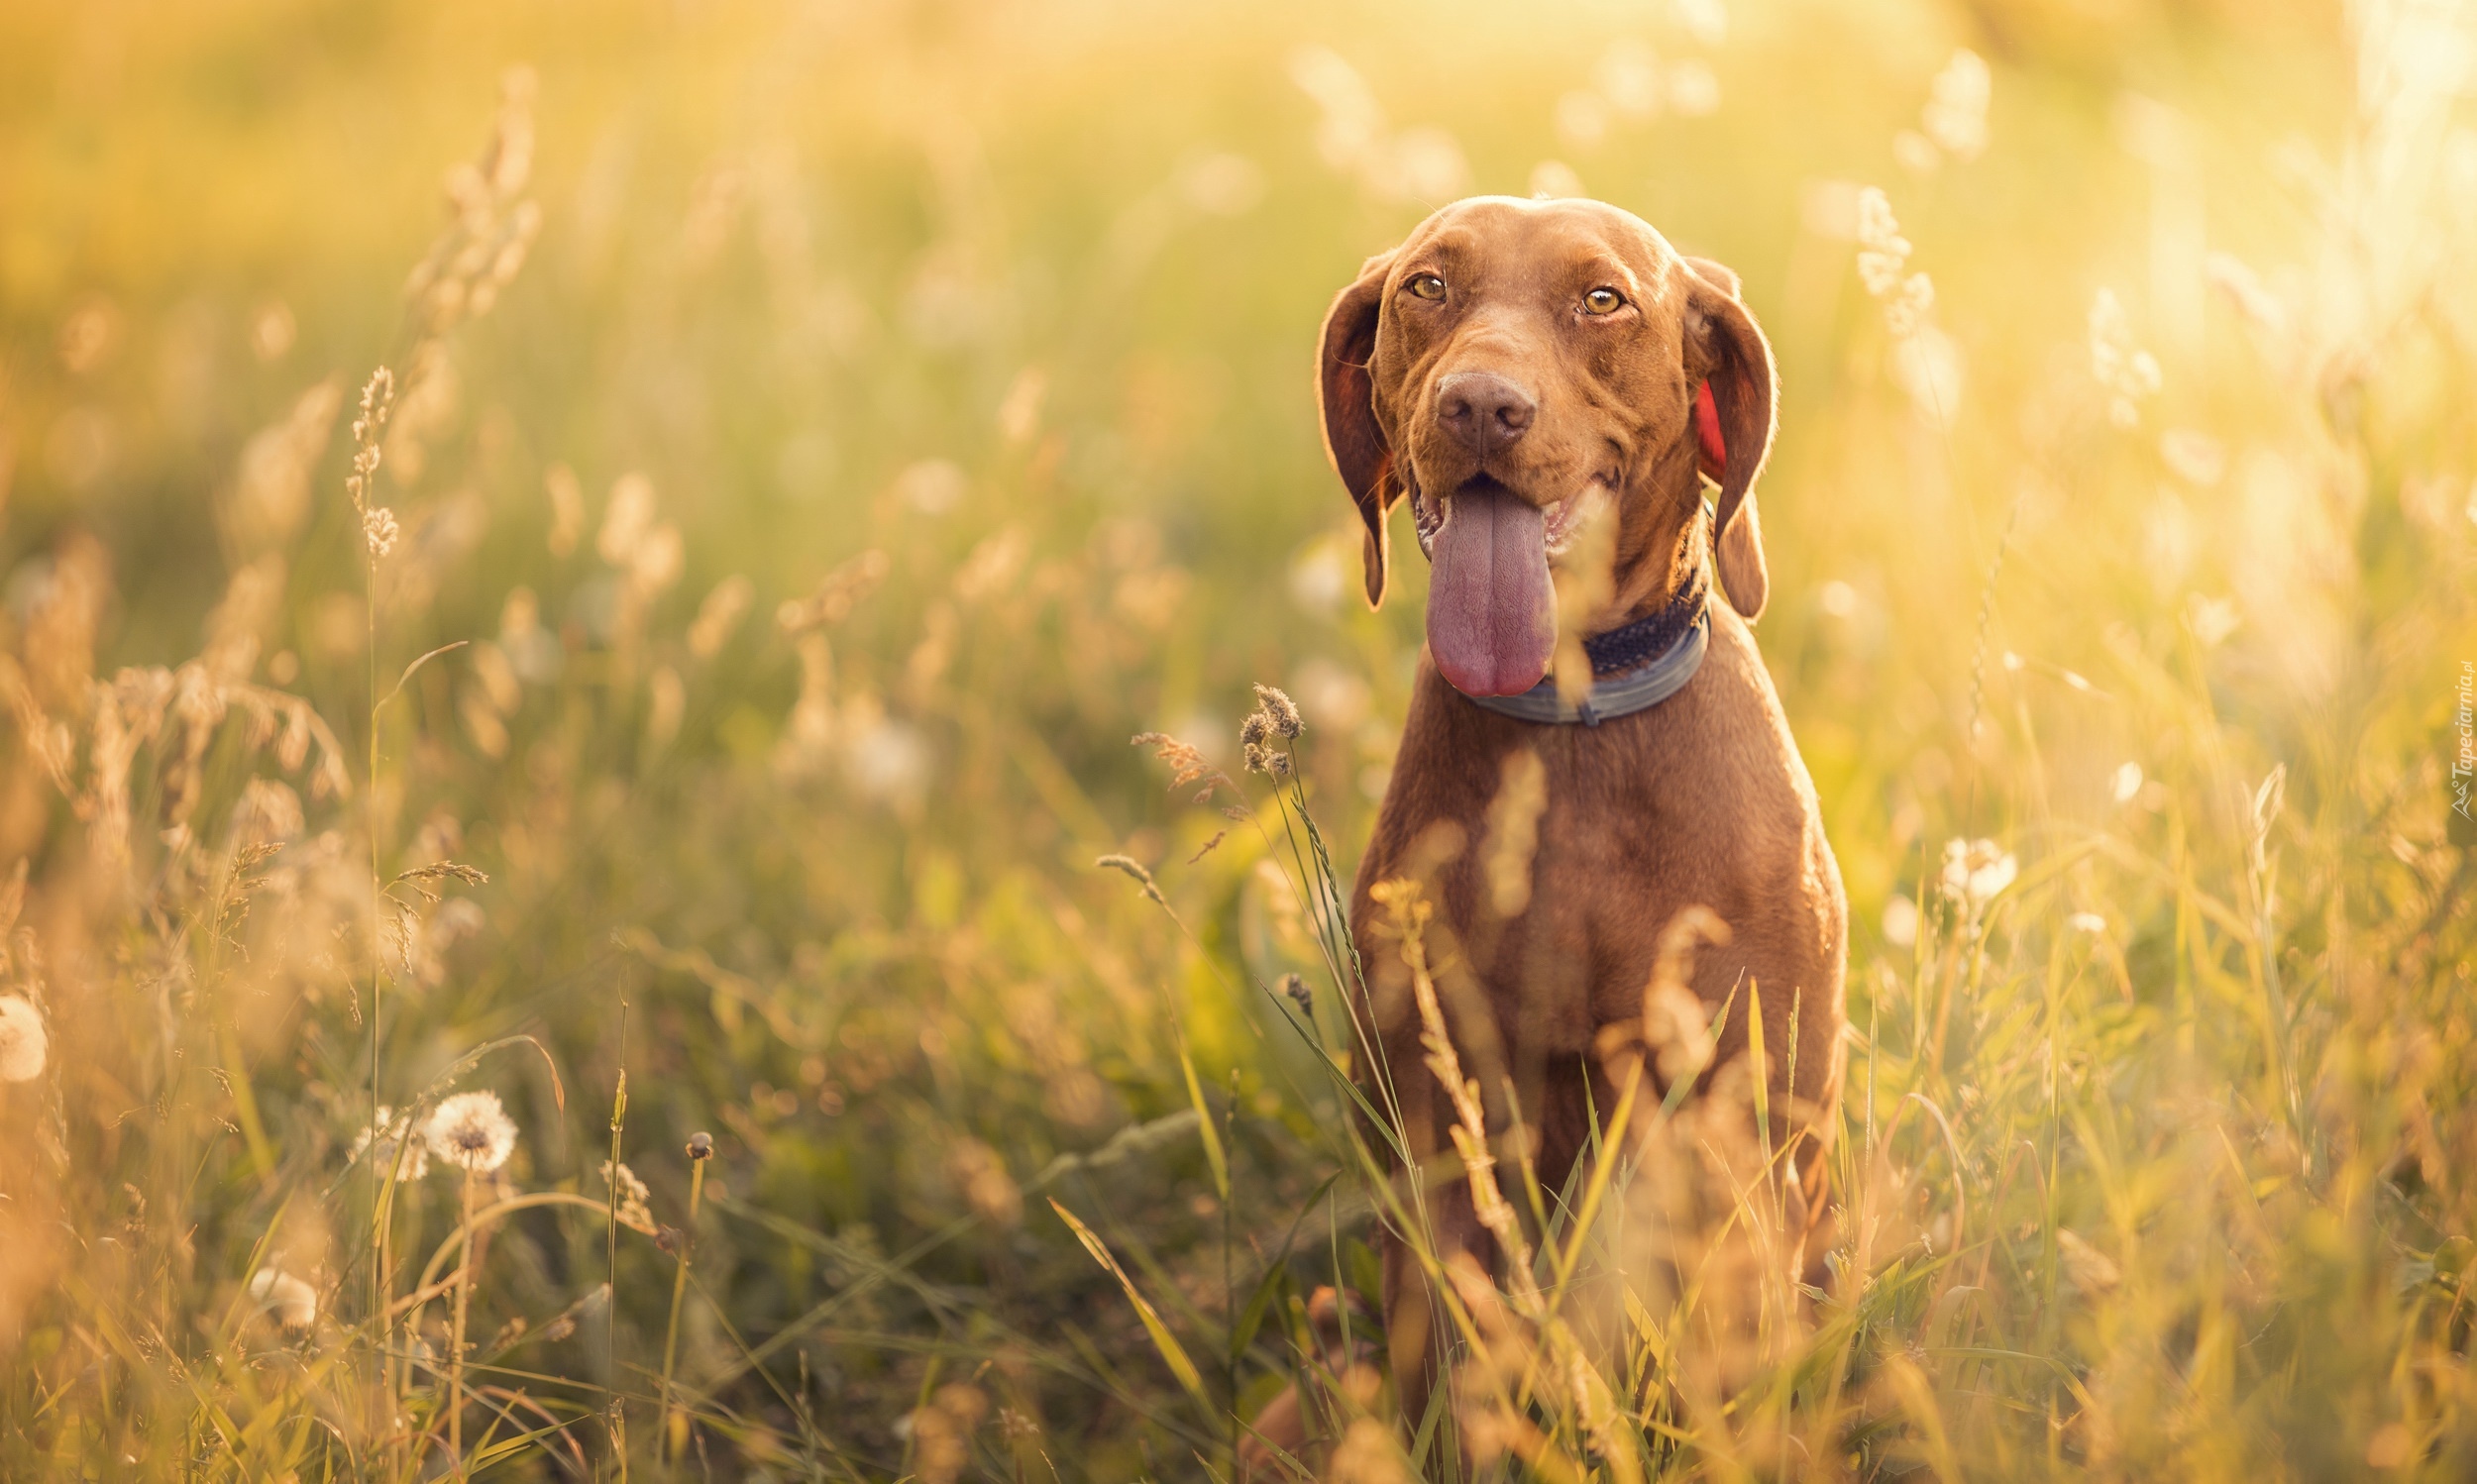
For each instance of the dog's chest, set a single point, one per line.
(1554, 894)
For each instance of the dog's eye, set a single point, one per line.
(1603, 301)
(1425, 286)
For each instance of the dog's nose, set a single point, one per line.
(1483, 410)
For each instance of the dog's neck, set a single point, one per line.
(1662, 555)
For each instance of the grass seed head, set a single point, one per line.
(1135, 871)
(1279, 711)
(634, 1213)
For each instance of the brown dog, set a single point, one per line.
(1533, 376)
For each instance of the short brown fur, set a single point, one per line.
(1699, 801)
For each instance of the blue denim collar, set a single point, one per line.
(1615, 696)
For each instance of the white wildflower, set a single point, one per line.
(294, 1302)
(25, 1045)
(472, 1131)
(384, 1138)
(1975, 871)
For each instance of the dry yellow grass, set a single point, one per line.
(693, 683)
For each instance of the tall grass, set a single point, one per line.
(816, 439)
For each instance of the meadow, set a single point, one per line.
(574, 896)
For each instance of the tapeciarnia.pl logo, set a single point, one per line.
(2463, 822)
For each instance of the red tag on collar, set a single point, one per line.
(1707, 433)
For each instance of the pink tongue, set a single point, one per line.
(1492, 617)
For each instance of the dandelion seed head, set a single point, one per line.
(25, 1045)
(472, 1131)
(294, 1302)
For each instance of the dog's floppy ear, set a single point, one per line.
(1718, 275)
(1733, 416)
(1345, 395)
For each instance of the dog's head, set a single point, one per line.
(1527, 369)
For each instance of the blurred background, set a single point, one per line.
(831, 430)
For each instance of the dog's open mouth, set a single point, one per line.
(1561, 522)
(1491, 609)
